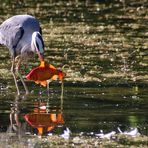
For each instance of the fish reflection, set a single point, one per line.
(43, 121)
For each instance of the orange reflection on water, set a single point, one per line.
(42, 120)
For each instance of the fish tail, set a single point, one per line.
(28, 77)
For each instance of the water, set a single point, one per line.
(103, 48)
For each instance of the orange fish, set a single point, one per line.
(44, 72)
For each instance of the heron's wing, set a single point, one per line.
(10, 36)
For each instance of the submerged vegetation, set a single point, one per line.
(76, 142)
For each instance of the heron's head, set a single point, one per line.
(37, 45)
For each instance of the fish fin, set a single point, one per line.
(43, 83)
(51, 66)
(54, 77)
(37, 82)
(44, 64)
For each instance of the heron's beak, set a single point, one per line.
(41, 56)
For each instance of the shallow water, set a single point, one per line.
(104, 53)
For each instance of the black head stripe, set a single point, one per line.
(40, 37)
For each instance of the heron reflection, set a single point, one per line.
(43, 116)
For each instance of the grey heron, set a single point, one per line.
(21, 34)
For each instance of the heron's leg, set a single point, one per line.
(11, 117)
(14, 76)
(17, 70)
